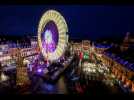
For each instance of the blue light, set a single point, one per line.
(48, 87)
(75, 78)
(125, 62)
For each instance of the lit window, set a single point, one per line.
(132, 87)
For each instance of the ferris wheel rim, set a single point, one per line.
(58, 19)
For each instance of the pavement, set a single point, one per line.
(40, 86)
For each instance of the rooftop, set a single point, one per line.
(102, 45)
(125, 58)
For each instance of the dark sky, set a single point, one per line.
(90, 22)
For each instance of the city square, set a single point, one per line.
(53, 61)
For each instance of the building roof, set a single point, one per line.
(102, 45)
(125, 58)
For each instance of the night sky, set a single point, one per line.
(89, 22)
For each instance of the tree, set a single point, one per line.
(22, 75)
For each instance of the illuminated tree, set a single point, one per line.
(22, 75)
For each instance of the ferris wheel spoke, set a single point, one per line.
(63, 38)
(58, 19)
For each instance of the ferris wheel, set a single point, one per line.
(52, 37)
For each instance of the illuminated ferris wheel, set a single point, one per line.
(52, 38)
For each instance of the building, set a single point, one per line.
(127, 42)
(120, 61)
(76, 47)
(85, 45)
(34, 42)
(8, 53)
(100, 48)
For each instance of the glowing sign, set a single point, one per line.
(86, 55)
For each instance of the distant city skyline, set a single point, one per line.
(86, 22)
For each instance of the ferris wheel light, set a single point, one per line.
(48, 36)
(58, 19)
(39, 70)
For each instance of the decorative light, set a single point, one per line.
(57, 18)
(48, 36)
(39, 70)
(3, 77)
(127, 83)
(22, 78)
(132, 87)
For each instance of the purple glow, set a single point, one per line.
(39, 70)
(48, 44)
(50, 37)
